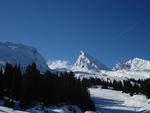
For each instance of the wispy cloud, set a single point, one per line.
(54, 64)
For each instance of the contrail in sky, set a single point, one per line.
(127, 29)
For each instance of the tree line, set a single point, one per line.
(130, 86)
(30, 87)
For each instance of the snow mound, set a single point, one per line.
(85, 62)
(21, 54)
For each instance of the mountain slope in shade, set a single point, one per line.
(135, 64)
(85, 62)
(22, 55)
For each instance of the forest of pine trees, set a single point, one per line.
(31, 87)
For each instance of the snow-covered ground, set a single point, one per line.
(37, 109)
(129, 74)
(61, 109)
(9, 110)
(110, 101)
(114, 75)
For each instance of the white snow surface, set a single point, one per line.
(130, 74)
(85, 63)
(9, 110)
(21, 54)
(114, 75)
(110, 101)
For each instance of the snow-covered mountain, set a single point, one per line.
(86, 63)
(135, 68)
(135, 64)
(87, 66)
(21, 54)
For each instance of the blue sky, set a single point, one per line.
(110, 30)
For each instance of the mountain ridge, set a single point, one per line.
(85, 65)
(134, 64)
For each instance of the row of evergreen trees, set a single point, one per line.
(130, 86)
(32, 87)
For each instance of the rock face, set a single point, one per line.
(85, 62)
(22, 55)
(135, 64)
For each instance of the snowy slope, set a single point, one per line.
(134, 64)
(110, 101)
(87, 63)
(21, 54)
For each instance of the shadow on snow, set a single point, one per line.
(104, 105)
